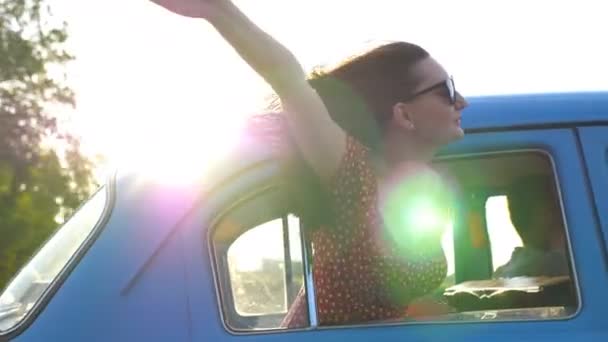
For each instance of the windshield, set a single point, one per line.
(26, 289)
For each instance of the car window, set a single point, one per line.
(506, 249)
(512, 253)
(37, 276)
(259, 262)
(265, 273)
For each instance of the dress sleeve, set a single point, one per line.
(297, 316)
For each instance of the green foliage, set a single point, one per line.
(38, 184)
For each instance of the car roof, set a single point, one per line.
(533, 110)
(484, 113)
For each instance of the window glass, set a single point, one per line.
(259, 262)
(264, 279)
(24, 291)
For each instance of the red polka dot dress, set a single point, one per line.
(359, 275)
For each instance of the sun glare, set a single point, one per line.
(173, 150)
(136, 82)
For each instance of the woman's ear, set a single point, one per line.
(402, 116)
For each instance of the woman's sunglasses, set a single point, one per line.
(449, 87)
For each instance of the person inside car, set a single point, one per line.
(537, 218)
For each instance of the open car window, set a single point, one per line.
(511, 247)
(507, 250)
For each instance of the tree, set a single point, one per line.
(43, 173)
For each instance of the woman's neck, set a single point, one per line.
(403, 151)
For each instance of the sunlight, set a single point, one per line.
(503, 236)
(447, 244)
(165, 65)
(246, 255)
(175, 150)
(425, 215)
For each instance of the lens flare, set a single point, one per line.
(425, 216)
(416, 212)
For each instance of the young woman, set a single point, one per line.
(369, 129)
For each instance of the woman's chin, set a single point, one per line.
(459, 134)
(455, 134)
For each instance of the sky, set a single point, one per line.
(149, 83)
(149, 80)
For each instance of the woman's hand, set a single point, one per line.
(192, 8)
(424, 308)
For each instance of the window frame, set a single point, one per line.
(556, 143)
(226, 303)
(593, 143)
(567, 232)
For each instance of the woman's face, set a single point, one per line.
(434, 114)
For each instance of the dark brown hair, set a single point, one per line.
(361, 92)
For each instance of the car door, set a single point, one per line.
(594, 143)
(210, 307)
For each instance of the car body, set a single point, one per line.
(153, 267)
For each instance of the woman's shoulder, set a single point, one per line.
(356, 162)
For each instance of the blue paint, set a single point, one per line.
(536, 109)
(148, 276)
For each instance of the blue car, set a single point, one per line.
(222, 258)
